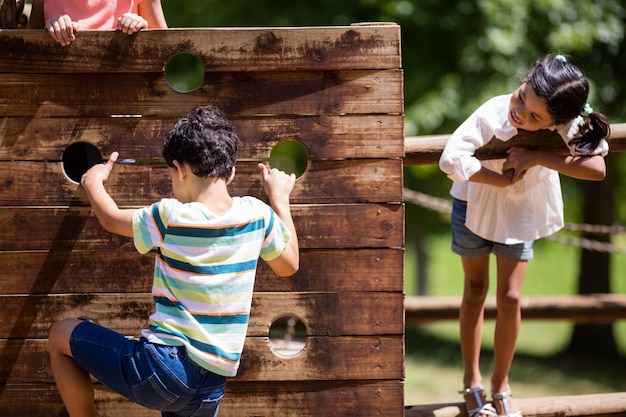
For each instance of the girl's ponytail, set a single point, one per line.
(594, 128)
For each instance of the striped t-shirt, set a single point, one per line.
(204, 274)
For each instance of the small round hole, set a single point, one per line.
(290, 156)
(288, 336)
(78, 158)
(184, 72)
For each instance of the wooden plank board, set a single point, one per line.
(598, 404)
(218, 49)
(27, 183)
(61, 230)
(324, 314)
(323, 359)
(286, 92)
(324, 137)
(588, 308)
(126, 270)
(242, 399)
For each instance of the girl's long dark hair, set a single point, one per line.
(565, 90)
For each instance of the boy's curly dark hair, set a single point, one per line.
(205, 140)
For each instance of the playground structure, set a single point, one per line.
(335, 90)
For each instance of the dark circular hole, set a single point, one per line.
(78, 158)
(288, 336)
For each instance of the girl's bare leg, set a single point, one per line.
(73, 382)
(510, 278)
(476, 284)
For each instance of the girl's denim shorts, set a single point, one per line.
(156, 376)
(467, 244)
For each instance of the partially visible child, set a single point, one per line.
(207, 248)
(502, 206)
(62, 18)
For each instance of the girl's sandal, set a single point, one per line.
(504, 396)
(483, 408)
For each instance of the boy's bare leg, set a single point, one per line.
(73, 382)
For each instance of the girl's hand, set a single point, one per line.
(519, 161)
(62, 29)
(130, 23)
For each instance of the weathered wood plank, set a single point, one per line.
(287, 92)
(323, 359)
(323, 226)
(591, 308)
(427, 149)
(128, 271)
(609, 404)
(324, 314)
(26, 183)
(324, 137)
(218, 49)
(242, 399)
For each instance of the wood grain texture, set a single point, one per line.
(323, 359)
(34, 184)
(324, 137)
(125, 270)
(249, 93)
(218, 49)
(61, 230)
(242, 399)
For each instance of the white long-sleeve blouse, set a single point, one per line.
(529, 209)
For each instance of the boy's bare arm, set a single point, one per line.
(278, 185)
(111, 217)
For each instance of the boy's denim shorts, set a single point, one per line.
(156, 376)
(467, 244)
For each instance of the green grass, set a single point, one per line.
(433, 360)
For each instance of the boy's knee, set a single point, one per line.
(60, 333)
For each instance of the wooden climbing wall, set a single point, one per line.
(336, 90)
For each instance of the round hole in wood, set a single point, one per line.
(184, 72)
(78, 158)
(290, 156)
(288, 336)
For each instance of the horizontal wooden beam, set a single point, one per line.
(592, 308)
(611, 404)
(423, 150)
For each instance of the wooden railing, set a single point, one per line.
(422, 150)
(592, 308)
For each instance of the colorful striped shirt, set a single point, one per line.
(204, 274)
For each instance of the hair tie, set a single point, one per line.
(587, 110)
(561, 58)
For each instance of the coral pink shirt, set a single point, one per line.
(91, 14)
